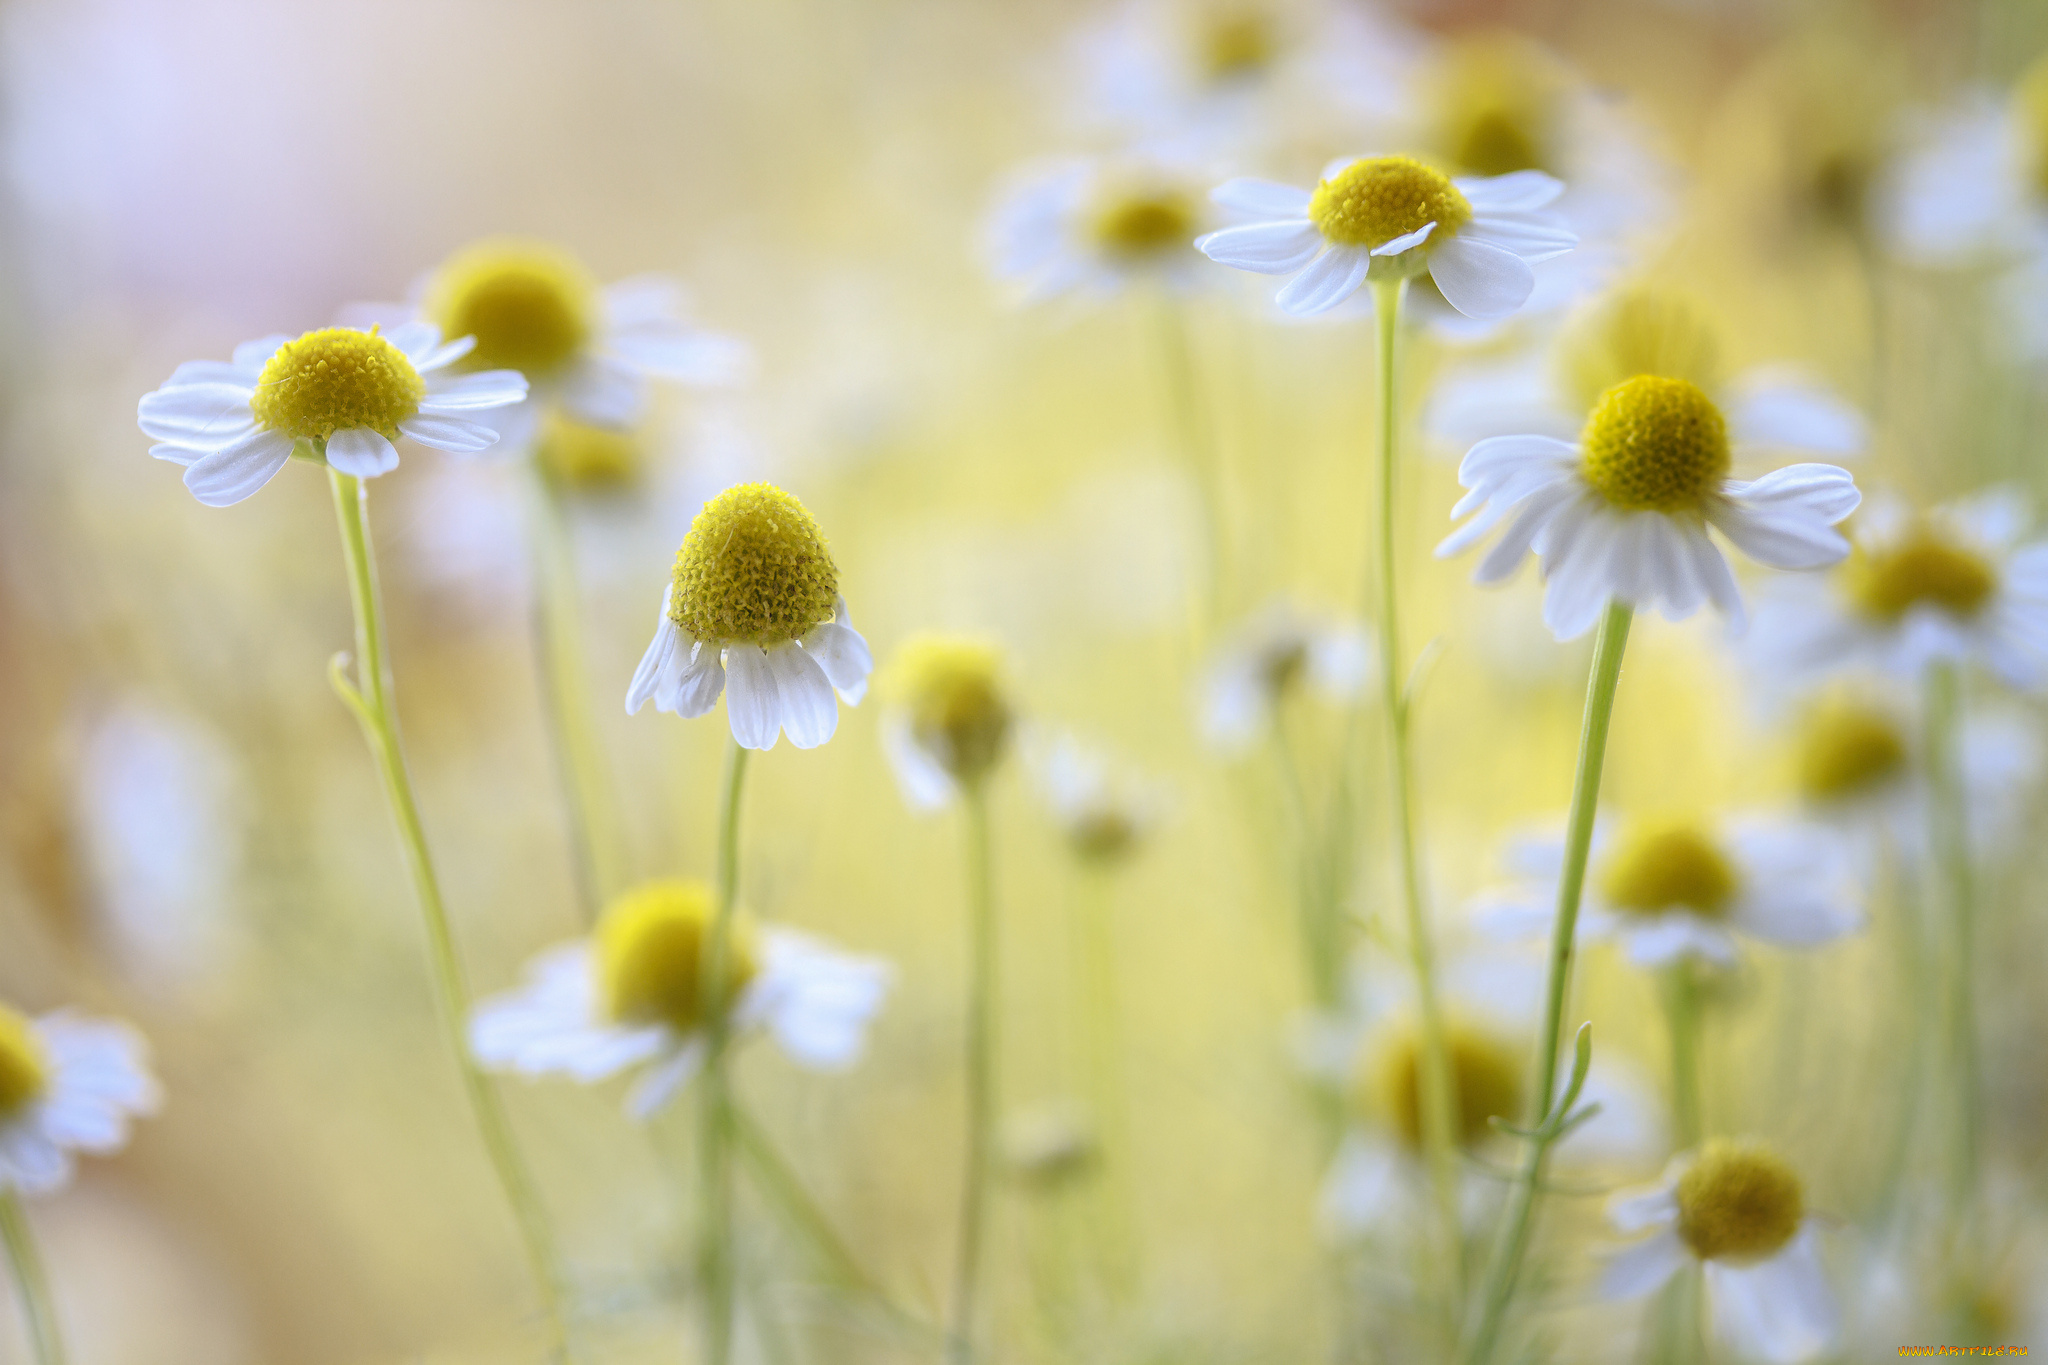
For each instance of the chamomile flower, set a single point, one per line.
(1622, 515)
(948, 720)
(1392, 217)
(336, 395)
(67, 1084)
(1739, 1212)
(1953, 583)
(1268, 658)
(629, 997)
(1095, 225)
(1104, 812)
(753, 610)
(1975, 184)
(1687, 888)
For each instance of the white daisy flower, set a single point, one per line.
(1974, 183)
(1265, 659)
(628, 997)
(1104, 812)
(753, 611)
(948, 720)
(1953, 584)
(1094, 226)
(1737, 1211)
(67, 1084)
(1622, 516)
(1672, 889)
(337, 395)
(1393, 217)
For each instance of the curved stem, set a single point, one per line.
(1948, 818)
(981, 1075)
(371, 700)
(37, 1308)
(715, 1128)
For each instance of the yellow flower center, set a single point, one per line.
(1237, 44)
(24, 1071)
(1103, 835)
(1485, 1072)
(1497, 99)
(1152, 223)
(1738, 1202)
(753, 569)
(1636, 330)
(529, 305)
(335, 379)
(1923, 567)
(580, 456)
(1848, 747)
(1655, 445)
(1665, 867)
(650, 954)
(2030, 103)
(951, 689)
(1373, 201)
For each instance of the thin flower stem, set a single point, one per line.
(715, 1251)
(1095, 937)
(1316, 909)
(1948, 817)
(981, 1076)
(1197, 437)
(370, 698)
(1439, 1124)
(37, 1308)
(1506, 1264)
(1682, 1010)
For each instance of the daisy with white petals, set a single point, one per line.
(948, 721)
(336, 396)
(1392, 217)
(1094, 226)
(628, 997)
(753, 611)
(1265, 660)
(67, 1084)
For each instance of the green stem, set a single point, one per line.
(30, 1282)
(981, 1076)
(1948, 817)
(715, 1104)
(1316, 908)
(1102, 1050)
(1506, 1265)
(370, 698)
(1439, 1122)
(1682, 1010)
(1198, 445)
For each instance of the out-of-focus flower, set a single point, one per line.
(1953, 583)
(1095, 226)
(949, 717)
(629, 996)
(1622, 516)
(1392, 217)
(1104, 812)
(67, 1084)
(1738, 1211)
(1051, 1146)
(1975, 185)
(754, 603)
(589, 459)
(337, 395)
(1268, 657)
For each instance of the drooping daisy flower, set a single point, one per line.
(1975, 185)
(1268, 657)
(629, 997)
(753, 610)
(1094, 226)
(1950, 584)
(589, 459)
(949, 717)
(1392, 217)
(67, 1084)
(337, 395)
(1104, 812)
(1738, 1211)
(1671, 889)
(1622, 516)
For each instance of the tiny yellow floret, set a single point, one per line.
(753, 569)
(650, 954)
(1373, 201)
(1236, 44)
(333, 380)
(1738, 1202)
(530, 305)
(1497, 98)
(24, 1070)
(951, 690)
(1924, 567)
(1847, 748)
(588, 458)
(1655, 445)
(1486, 1077)
(1635, 330)
(1147, 224)
(1671, 865)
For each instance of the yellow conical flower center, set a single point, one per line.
(1236, 44)
(24, 1071)
(1922, 568)
(1655, 445)
(753, 569)
(530, 306)
(2030, 105)
(335, 379)
(1373, 201)
(1497, 101)
(650, 954)
(577, 455)
(1636, 330)
(1152, 223)
(951, 691)
(1738, 1202)
(1486, 1074)
(1846, 748)
(1668, 867)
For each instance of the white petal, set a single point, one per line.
(1262, 198)
(753, 703)
(254, 355)
(1779, 409)
(1778, 536)
(1781, 1310)
(174, 454)
(213, 372)
(1532, 236)
(361, 452)
(449, 433)
(698, 685)
(226, 476)
(1516, 192)
(660, 1082)
(1643, 1267)
(1480, 281)
(1329, 279)
(1800, 913)
(413, 337)
(605, 393)
(643, 298)
(1581, 581)
(658, 661)
(1362, 1189)
(441, 357)
(1276, 248)
(473, 392)
(844, 656)
(1500, 562)
(817, 999)
(675, 352)
(1407, 241)
(1643, 1207)
(810, 709)
(926, 786)
(1674, 935)
(201, 416)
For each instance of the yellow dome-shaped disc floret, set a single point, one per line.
(1667, 866)
(753, 569)
(650, 954)
(1847, 748)
(1373, 201)
(24, 1071)
(951, 689)
(1497, 101)
(1738, 1202)
(1922, 568)
(1636, 330)
(1486, 1075)
(530, 306)
(1655, 445)
(1234, 44)
(335, 379)
(1146, 223)
(587, 458)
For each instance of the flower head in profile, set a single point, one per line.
(1269, 658)
(1104, 812)
(1974, 185)
(1622, 515)
(753, 610)
(631, 997)
(1737, 1210)
(1393, 217)
(337, 395)
(1095, 226)
(67, 1084)
(949, 719)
